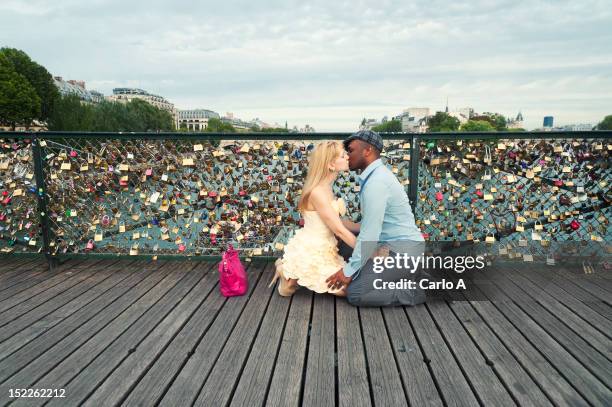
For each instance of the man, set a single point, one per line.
(386, 216)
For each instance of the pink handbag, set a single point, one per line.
(232, 277)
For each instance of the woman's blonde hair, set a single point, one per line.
(319, 162)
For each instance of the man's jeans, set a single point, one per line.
(361, 291)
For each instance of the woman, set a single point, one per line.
(311, 255)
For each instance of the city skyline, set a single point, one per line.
(331, 65)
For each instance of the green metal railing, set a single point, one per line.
(186, 194)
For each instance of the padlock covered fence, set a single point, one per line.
(526, 196)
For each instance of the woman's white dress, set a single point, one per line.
(311, 255)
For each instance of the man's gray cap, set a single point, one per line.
(369, 136)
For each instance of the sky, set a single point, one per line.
(331, 63)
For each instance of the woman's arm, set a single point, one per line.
(330, 217)
(352, 226)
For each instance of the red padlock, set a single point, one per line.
(181, 248)
(149, 172)
(90, 245)
(439, 196)
(479, 193)
(558, 183)
(575, 225)
(2, 217)
(212, 194)
(242, 192)
(6, 200)
(73, 154)
(4, 193)
(425, 236)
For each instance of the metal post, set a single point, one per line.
(413, 190)
(41, 193)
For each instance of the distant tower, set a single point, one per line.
(548, 121)
(285, 124)
(446, 110)
(519, 117)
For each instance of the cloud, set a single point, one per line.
(331, 63)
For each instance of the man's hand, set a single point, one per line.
(338, 280)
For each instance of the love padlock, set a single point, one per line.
(181, 248)
(439, 196)
(73, 154)
(90, 244)
(575, 225)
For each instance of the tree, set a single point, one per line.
(442, 122)
(606, 123)
(389, 126)
(217, 126)
(71, 114)
(37, 75)
(19, 103)
(496, 120)
(477, 125)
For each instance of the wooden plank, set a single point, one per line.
(553, 384)
(547, 292)
(353, 385)
(10, 270)
(26, 314)
(387, 388)
(582, 280)
(515, 379)
(49, 349)
(320, 381)
(21, 275)
(20, 339)
(187, 384)
(419, 385)
(540, 276)
(255, 379)
(118, 384)
(589, 387)
(451, 382)
(488, 385)
(220, 384)
(160, 375)
(86, 368)
(34, 286)
(285, 388)
(7, 265)
(593, 360)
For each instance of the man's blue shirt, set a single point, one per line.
(386, 214)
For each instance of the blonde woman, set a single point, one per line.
(311, 255)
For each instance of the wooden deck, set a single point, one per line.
(135, 333)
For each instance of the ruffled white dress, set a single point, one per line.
(311, 255)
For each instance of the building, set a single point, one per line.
(413, 119)
(125, 95)
(462, 114)
(74, 87)
(578, 127)
(195, 119)
(369, 124)
(516, 123)
(548, 122)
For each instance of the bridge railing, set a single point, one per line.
(528, 195)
